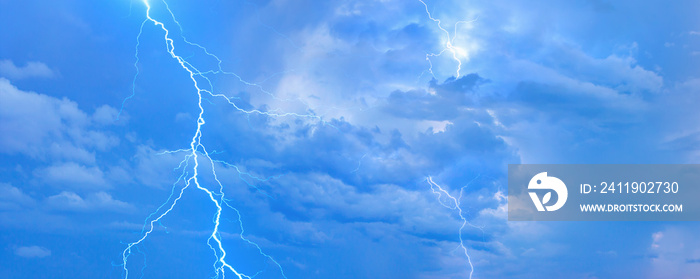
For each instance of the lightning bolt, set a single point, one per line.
(450, 202)
(197, 151)
(448, 42)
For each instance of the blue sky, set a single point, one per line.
(336, 113)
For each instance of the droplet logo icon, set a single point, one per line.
(543, 182)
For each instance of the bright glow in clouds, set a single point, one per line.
(458, 53)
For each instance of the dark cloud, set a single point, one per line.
(442, 101)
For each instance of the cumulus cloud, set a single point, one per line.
(619, 72)
(674, 253)
(45, 127)
(32, 252)
(105, 115)
(9, 70)
(442, 101)
(13, 198)
(414, 210)
(102, 201)
(72, 175)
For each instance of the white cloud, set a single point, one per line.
(416, 211)
(12, 198)
(32, 252)
(45, 127)
(604, 79)
(72, 175)
(31, 69)
(105, 115)
(675, 253)
(70, 201)
(434, 126)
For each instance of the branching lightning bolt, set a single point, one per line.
(453, 203)
(449, 43)
(197, 151)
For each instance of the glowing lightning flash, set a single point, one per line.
(454, 204)
(196, 148)
(449, 43)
